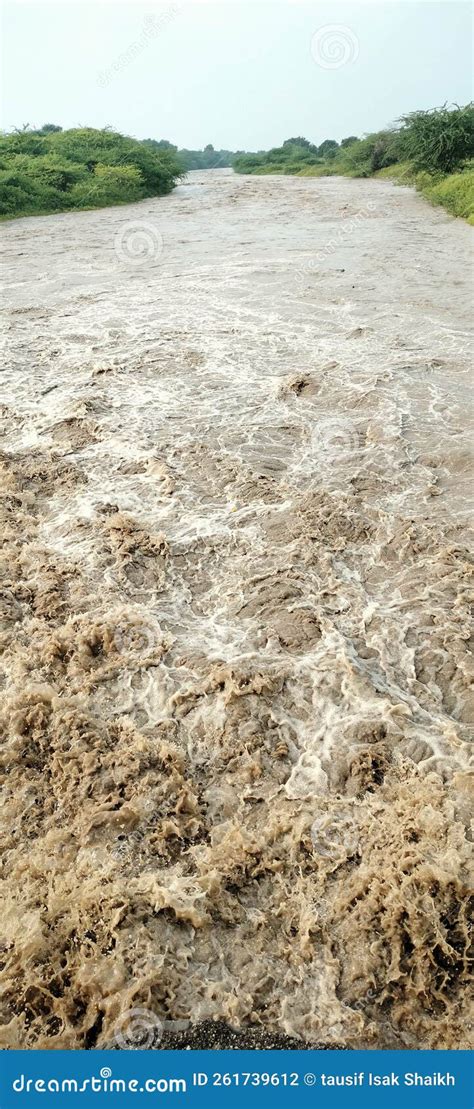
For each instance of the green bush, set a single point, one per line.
(328, 149)
(22, 194)
(402, 173)
(329, 169)
(440, 140)
(29, 184)
(365, 156)
(288, 158)
(271, 167)
(108, 185)
(247, 163)
(52, 170)
(205, 159)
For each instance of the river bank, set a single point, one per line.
(453, 191)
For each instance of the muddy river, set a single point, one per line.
(235, 708)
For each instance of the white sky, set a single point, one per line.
(239, 75)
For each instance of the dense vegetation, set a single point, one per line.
(208, 158)
(433, 150)
(295, 154)
(50, 170)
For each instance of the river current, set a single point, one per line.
(236, 700)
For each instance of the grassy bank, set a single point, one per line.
(432, 151)
(454, 191)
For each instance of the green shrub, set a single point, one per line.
(365, 156)
(247, 163)
(271, 167)
(205, 159)
(328, 149)
(29, 184)
(402, 173)
(53, 170)
(108, 185)
(24, 195)
(330, 169)
(288, 158)
(440, 140)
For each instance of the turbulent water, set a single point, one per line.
(236, 712)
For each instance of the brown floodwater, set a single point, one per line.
(236, 713)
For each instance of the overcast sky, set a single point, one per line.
(239, 75)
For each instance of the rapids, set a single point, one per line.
(236, 701)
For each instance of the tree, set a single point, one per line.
(348, 142)
(440, 140)
(299, 141)
(366, 156)
(328, 148)
(160, 144)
